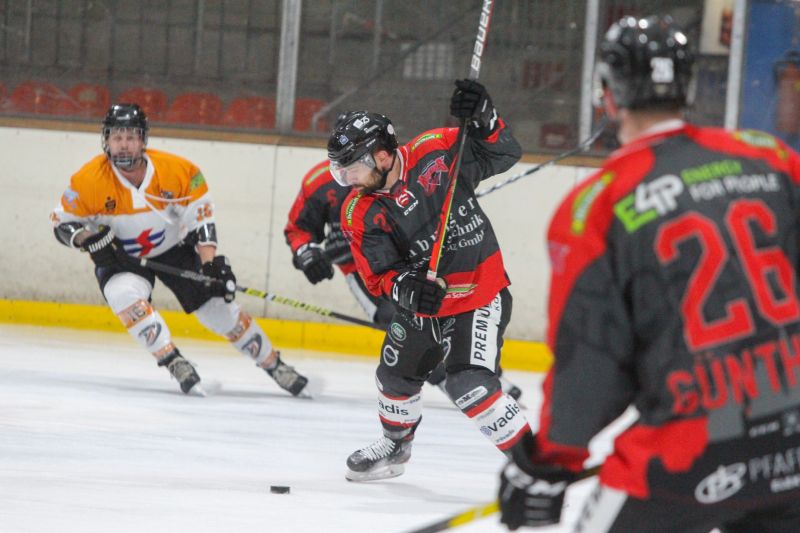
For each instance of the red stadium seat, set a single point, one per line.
(35, 97)
(86, 99)
(152, 101)
(196, 108)
(251, 112)
(304, 110)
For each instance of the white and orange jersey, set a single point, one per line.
(172, 201)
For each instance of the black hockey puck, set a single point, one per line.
(279, 489)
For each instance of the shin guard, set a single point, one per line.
(236, 325)
(147, 326)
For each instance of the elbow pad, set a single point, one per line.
(66, 232)
(206, 234)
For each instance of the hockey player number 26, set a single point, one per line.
(767, 269)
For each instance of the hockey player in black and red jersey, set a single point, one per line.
(390, 218)
(313, 233)
(130, 203)
(674, 289)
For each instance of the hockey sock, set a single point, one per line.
(399, 414)
(236, 325)
(248, 337)
(500, 419)
(146, 325)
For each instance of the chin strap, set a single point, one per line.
(385, 173)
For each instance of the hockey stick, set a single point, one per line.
(200, 278)
(583, 146)
(481, 511)
(474, 71)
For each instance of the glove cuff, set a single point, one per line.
(107, 239)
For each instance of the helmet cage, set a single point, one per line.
(124, 116)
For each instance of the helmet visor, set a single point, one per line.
(355, 172)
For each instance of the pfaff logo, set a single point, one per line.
(723, 483)
(480, 41)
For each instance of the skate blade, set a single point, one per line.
(384, 472)
(205, 389)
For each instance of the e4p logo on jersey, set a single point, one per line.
(649, 201)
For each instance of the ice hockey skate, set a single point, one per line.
(183, 371)
(288, 378)
(383, 459)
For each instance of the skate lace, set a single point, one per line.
(181, 369)
(379, 449)
(284, 375)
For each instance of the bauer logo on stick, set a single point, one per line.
(480, 41)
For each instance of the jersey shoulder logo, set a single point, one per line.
(425, 138)
(431, 176)
(585, 199)
(197, 181)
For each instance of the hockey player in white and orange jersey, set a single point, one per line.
(129, 203)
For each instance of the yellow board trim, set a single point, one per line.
(351, 340)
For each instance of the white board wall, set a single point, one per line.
(254, 186)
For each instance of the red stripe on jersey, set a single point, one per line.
(636, 448)
(354, 209)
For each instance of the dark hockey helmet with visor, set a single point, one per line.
(355, 138)
(645, 63)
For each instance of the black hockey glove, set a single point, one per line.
(224, 285)
(413, 291)
(312, 261)
(471, 102)
(531, 494)
(336, 247)
(105, 248)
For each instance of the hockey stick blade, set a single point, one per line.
(582, 147)
(481, 511)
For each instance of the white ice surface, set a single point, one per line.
(94, 437)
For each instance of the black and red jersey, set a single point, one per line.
(393, 232)
(318, 203)
(674, 289)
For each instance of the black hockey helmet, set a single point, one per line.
(359, 133)
(646, 64)
(125, 116)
